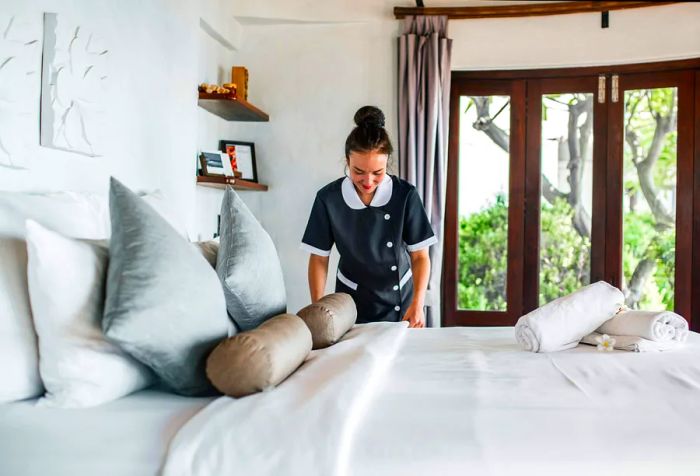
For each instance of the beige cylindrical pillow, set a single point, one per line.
(329, 318)
(256, 360)
(209, 249)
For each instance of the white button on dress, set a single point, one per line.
(396, 287)
(389, 244)
(397, 308)
(393, 268)
(387, 216)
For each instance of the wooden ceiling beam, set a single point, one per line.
(534, 9)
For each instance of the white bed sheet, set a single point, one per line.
(129, 436)
(457, 401)
(469, 401)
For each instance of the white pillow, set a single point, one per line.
(78, 366)
(80, 215)
(74, 214)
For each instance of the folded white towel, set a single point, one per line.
(634, 343)
(560, 324)
(659, 326)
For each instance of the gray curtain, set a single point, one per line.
(424, 108)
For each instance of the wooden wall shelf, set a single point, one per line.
(231, 109)
(223, 182)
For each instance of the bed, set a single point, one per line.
(389, 400)
(385, 400)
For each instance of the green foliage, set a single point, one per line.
(642, 240)
(483, 242)
(564, 257)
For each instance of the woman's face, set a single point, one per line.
(367, 170)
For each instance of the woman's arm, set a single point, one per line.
(420, 266)
(318, 273)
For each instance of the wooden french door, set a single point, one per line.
(490, 118)
(655, 172)
(560, 178)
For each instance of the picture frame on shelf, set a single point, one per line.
(215, 163)
(242, 158)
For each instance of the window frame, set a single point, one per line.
(526, 88)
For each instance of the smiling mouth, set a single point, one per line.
(367, 187)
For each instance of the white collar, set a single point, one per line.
(381, 197)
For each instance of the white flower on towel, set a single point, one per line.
(605, 342)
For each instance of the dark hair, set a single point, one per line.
(369, 135)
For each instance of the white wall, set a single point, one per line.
(150, 100)
(634, 36)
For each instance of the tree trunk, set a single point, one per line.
(641, 275)
(484, 123)
(577, 140)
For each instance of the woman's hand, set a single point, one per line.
(415, 315)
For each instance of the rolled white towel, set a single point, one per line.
(659, 326)
(560, 324)
(634, 343)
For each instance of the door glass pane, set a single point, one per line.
(484, 139)
(649, 197)
(566, 193)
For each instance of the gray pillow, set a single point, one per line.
(260, 359)
(248, 266)
(164, 304)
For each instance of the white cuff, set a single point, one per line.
(314, 251)
(423, 244)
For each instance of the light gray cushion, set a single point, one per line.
(164, 303)
(261, 358)
(329, 318)
(248, 266)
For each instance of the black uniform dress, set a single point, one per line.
(373, 242)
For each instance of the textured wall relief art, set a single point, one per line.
(20, 57)
(73, 94)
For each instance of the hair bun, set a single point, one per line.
(369, 116)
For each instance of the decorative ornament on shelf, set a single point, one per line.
(227, 90)
(239, 76)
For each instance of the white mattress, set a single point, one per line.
(126, 437)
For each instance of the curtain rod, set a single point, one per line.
(509, 11)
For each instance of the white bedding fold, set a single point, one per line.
(658, 326)
(562, 323)
(634, 343)
(306, 425)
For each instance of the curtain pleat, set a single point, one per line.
(424, 95)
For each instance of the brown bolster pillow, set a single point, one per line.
(329, 318)
(261, 358)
